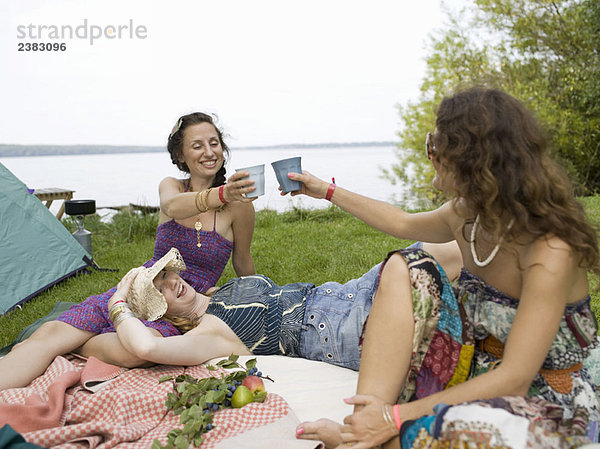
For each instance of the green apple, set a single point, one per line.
(241, 397)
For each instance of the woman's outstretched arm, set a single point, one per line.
(202, 343)
(179, 205)
(430, 226)
(108, 348)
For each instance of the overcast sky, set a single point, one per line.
(274, 71)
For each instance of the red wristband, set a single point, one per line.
(397, 416)
(221, 196)
(119, 301)
(330, 192)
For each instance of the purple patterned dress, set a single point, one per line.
(204, 267)
(205, 264)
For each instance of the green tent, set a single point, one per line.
(36, 250)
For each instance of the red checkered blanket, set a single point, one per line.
(96, 405)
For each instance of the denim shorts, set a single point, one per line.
(334, 319)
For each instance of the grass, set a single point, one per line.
(296, 246)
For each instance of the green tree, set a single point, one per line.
(543, 52)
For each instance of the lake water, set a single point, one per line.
(120, 179)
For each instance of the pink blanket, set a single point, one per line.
(75, 404)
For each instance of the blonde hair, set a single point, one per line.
(185, 324)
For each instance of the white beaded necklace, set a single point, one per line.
(487, 261)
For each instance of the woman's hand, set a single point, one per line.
(311, 185)
(367, 427)
(123, 286)
(236, 188)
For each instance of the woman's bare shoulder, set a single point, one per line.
(549, 250)
(170, 181)
(208, 324)
(560, 263)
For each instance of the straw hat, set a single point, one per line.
(144, 300)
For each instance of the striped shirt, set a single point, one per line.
(266, 317)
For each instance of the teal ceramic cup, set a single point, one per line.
(257, 174)
(285, 166)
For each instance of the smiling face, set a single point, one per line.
(180, 297)
(202, 150)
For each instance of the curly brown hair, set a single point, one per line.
(498, 154)
(175, 142)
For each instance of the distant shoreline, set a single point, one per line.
(11, 150)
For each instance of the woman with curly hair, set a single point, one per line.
(202, 212)
(512, 337)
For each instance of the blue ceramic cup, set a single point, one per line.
(285, 166)
(257, 174)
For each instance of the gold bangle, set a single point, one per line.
(120, 304)
(117, 310)
(114, 312)
(202, 201)
(199, 197)
(114, 308)
(122, 317)
(204, 198)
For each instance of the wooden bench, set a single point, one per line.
(53, 193)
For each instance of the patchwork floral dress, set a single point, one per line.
(460, 332)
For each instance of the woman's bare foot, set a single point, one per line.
(325, 430)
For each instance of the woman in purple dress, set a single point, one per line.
(206, 219)
(200, 215)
